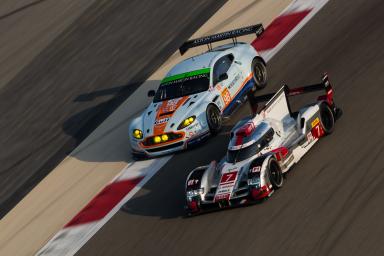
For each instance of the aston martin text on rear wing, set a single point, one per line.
(258, 29)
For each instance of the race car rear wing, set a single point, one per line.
(233, 34)
(324, 85)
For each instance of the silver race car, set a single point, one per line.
(262, 148)
(197, 93)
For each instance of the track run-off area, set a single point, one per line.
(331, 201)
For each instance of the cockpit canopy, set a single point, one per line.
(248, 141)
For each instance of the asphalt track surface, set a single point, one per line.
(54, 101)
(331, 203)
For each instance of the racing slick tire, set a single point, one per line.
(275, 174)
(214, 119)
(327, 118)
(259, 71)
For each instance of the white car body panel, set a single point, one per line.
(279, 134)
(224, 95)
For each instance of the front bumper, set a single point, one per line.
(160, 150)
(243, 196)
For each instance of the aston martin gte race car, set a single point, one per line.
(262, 148)
(197, 93)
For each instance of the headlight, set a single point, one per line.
(138, 134)
(255, 181)
(160, 138)
(188, 121)
(164, 137)
(193, 193)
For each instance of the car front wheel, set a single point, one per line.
(274, 173)
(214, 119)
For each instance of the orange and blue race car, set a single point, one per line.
(198, 93)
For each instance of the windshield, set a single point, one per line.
(239, 155)
(243, 153)
(182, 85)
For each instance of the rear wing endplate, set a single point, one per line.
(258, 29)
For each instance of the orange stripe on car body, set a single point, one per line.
(164, 111)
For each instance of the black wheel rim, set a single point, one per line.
(326, 119)
(215, 119)
(259, 73)
(275, 173)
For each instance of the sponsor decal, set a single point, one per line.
(317, 130)
(192, 126)
(228, 177)
(256, 169)
(281, 153)
(192, 182)
(219, 104)
(187, 79)
(162, 121)
(234, 81)
(171, 105)
(225, 35)
(188, 75)
(315, 122)
(222, 197)
(310, 138)
(226, 184)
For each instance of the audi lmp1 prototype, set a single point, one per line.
(262, 148)
(198, 93)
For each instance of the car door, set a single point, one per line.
(227, 78)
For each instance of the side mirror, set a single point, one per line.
(223, 77)
(151, 93)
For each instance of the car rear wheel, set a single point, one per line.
(274, 173)
(259, 71)
(214, 119)
(327, 118)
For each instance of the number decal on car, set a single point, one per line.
(226, 96)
